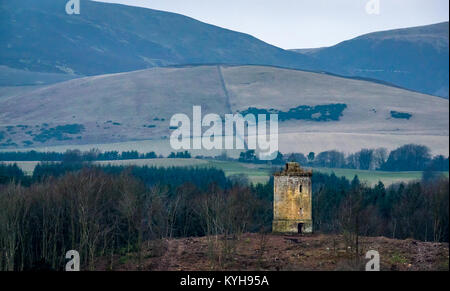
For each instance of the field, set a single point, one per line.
(372, 177)
(256, 173)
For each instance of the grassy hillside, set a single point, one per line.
(133, 109)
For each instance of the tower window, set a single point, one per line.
(300, 188)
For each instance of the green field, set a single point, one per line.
(256, 173)
(372, 177)
(261, 173)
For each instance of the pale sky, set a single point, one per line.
(303, 23)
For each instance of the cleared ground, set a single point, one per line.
(255, 252)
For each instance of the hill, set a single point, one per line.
(317, 111)
(39, 36)
(41, 44)
(416, 58)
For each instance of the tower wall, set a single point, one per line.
(292, 202)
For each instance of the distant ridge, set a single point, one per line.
(416, 58)
(39, 37)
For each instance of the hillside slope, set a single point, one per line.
(109, 38)
(416, 58)
(344, 113)
(15, 77)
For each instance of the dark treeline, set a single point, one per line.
(87, 156)
(405, 158)
(9, 173)
(75, 156)
(150, 176)
(172, 177)
(418, 209)
(112, 211)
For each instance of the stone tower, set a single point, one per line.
(292, 203)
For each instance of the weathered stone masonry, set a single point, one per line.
(292, 206)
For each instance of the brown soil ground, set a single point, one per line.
(256, 252)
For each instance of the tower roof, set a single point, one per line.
(294, 169)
